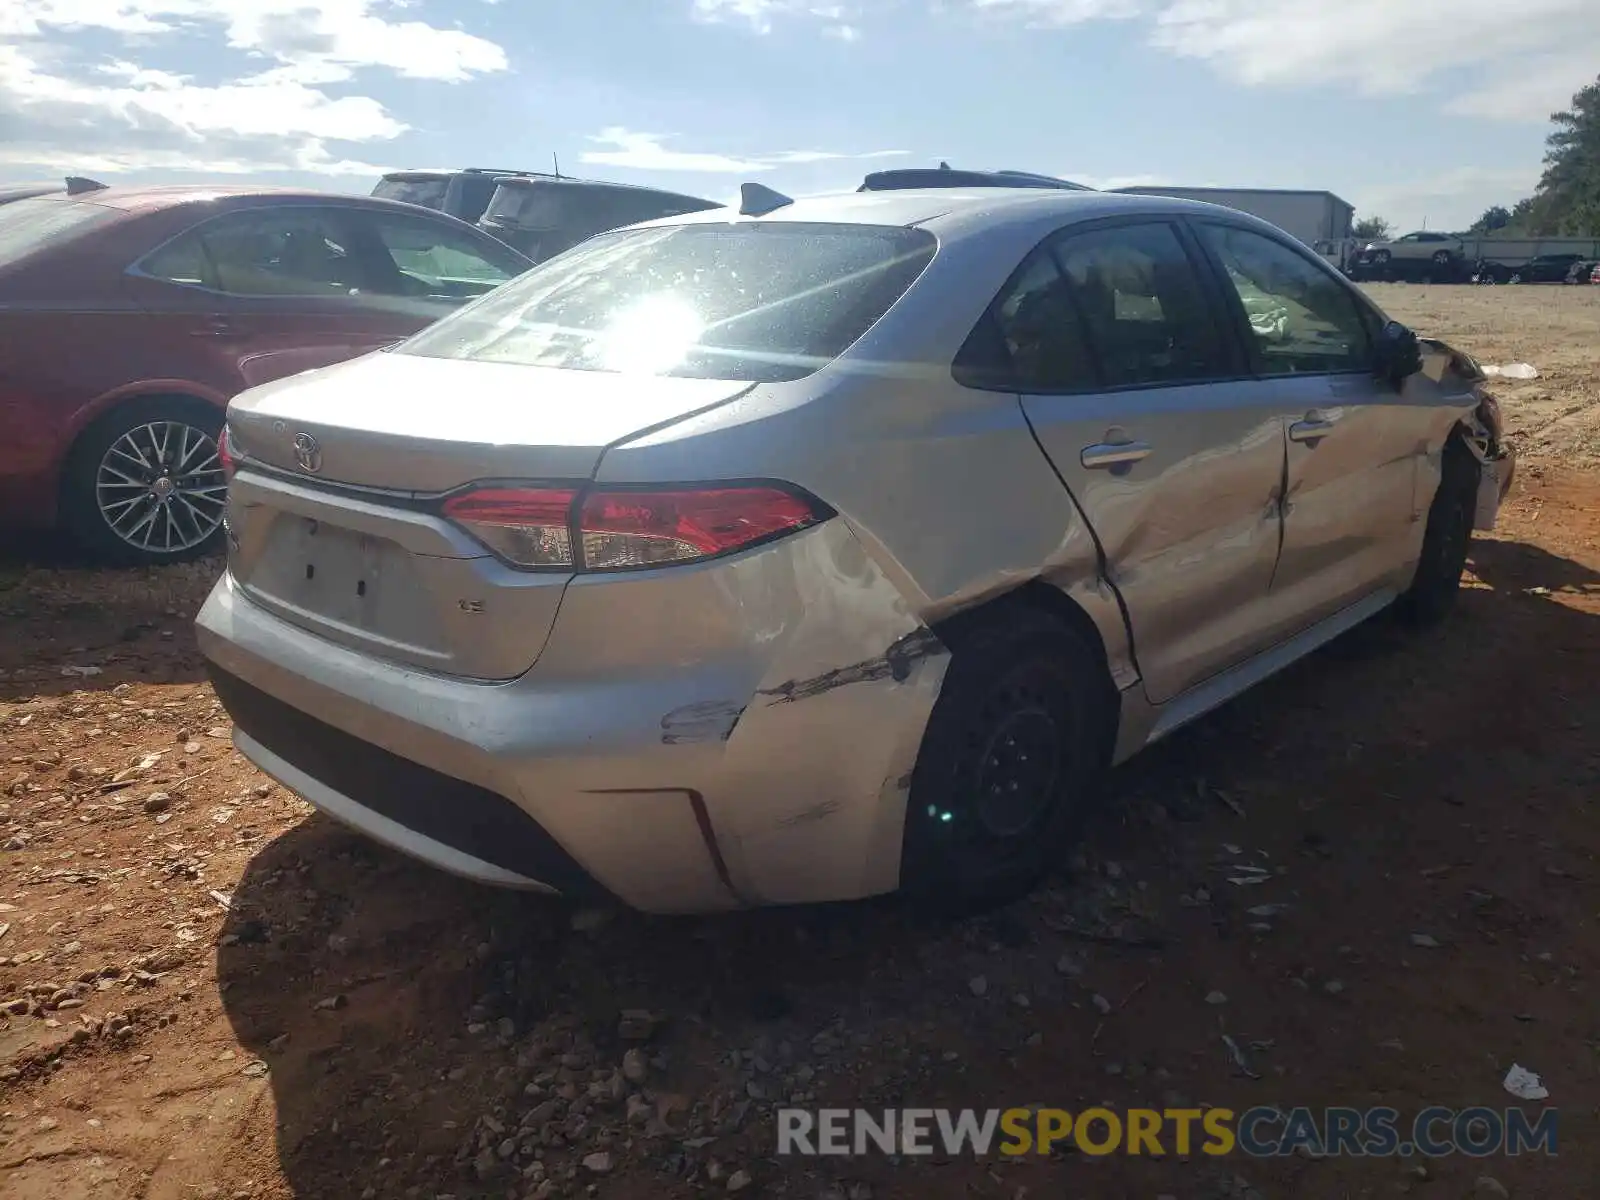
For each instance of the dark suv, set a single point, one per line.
(463, 194)
(542, 215)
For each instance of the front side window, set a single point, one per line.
(428, 259)
(1301, 318)
(757, 301)
(262, 252)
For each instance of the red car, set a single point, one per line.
(130, 316)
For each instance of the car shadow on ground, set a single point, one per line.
(394, 1006)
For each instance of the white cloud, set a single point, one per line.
(645, 152)
(1523, 62)
(1380, 46)
(346, 33)
(1527, 59)
(1110, 183)
(1061, 12)
(1446, 200)
(759, 15)
(648, 152)
(1530, 88)
(60, 112)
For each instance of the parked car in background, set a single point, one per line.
(830, 547)
(1594, 275)
(1545, 268)
(462, 194)
(129, 316)
(542, 215)
(1440, 249)
(1582, 271)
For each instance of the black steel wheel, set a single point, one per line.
(1010, 763)
(1445, 543)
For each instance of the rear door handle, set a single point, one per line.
(1105, 455)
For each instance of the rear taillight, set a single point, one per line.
(612, 529)
(531, 527)
(225, 455)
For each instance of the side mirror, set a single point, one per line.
(1398, 355)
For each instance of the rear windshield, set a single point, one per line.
(527, 205)
(762, 301)
(548, 207)
(27, 226)
(430, 193)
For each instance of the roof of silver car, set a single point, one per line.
(925, 205)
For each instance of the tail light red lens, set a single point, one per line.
(617, 529)
(530, 527)
(225, 455)
(638, 529)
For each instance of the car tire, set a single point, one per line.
(1446, 541)
(1012, 757)
(1381, 257)
(1442, 258)
(102, 505)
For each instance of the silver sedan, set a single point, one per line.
(828, 549)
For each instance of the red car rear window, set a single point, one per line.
(28, 226)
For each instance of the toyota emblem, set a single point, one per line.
(307, 453)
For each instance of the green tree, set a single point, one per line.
(1493, 219)
(1567, 200)
(1371, 229)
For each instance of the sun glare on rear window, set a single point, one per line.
(28, 226)
(757, 301)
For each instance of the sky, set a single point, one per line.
(1421, 111)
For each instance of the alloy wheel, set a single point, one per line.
(160, 487)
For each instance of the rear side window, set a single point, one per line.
(1035, 330)
(28, 226)
(262, 252)
(756, 301)
(1115, 307)
(1143, 306)
(526, 204)
(1301, 318)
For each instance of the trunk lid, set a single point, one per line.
(366, 562)
(405, 423)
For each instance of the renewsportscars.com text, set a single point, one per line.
(1263, 1132)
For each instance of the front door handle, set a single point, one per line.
(1316, 425)
(214, 326)
(1106, 455)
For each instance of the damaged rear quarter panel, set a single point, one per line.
(814, 805)
(800, 682)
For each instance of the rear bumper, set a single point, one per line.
(767, 766)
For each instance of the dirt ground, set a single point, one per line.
(208, 991)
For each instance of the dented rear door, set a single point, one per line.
(1176, 461)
